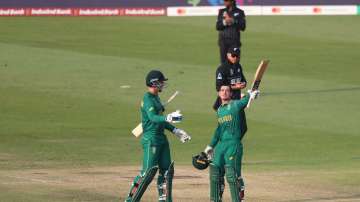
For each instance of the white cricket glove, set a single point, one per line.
(174, 117)
(182, 135)
(253, 94)
(209, 151)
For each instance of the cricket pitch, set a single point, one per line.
(112, 184)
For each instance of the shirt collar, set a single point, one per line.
(226, 103)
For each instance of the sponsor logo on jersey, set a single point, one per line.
(224, 119)
(219, 76)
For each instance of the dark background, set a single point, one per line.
(161, 3)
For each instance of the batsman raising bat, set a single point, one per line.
(154, 142)
(225, 149)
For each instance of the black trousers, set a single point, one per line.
(224, 45)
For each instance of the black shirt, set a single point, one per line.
(230, 74)
(231, 32)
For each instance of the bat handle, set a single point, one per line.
(248, 104)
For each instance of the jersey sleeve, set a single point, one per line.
(219, 23)
(216, 137)
(239, 21)
(149, 108)
(221, 78)
(169, 127)
(243, 79)
(241, 104)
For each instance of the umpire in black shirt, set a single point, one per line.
(230, 73)
(230, 21)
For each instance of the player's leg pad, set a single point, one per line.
(215, 184)
(234, 183)
(165, 188)
(141, 182)
(242, 189)
(222, 181)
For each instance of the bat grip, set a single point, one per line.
(248, 104)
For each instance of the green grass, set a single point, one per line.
(61, 104)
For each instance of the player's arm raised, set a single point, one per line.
(241, 104)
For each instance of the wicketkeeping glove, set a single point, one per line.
(174, 117)
(209, 151)
(182, 135)
(253, 94)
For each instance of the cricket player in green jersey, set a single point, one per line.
(155, 145)
(225, 149)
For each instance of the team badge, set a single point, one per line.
(219, 76)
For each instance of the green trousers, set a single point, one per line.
(229, 153)
(157, 154)
(227, 160)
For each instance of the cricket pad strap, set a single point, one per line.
(234, 183)
(141, 182)
(215, 184)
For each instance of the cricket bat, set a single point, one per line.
(258, 76)
(138, 130)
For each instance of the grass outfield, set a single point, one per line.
(62, 105)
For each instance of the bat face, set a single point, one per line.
(259, 74)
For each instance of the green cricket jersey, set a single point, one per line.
(231, 121)
(153, 121)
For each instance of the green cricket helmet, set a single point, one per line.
(200, 161)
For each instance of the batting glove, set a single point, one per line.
(182, 135)
(209, 151)
(174, 117)
(253, 94)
